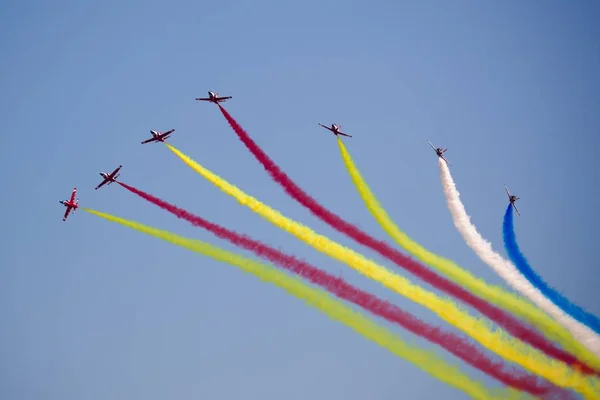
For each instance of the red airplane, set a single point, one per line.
(335, 129)
(158, 136)
(512, 198)
(109, 178)
(71, 204)
(213, 98)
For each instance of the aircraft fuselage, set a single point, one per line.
(158, 136)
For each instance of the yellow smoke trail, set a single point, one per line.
(333, 308)
(495, 294)
(497, 341)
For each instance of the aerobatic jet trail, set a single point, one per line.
(334, 309)
(503, 267)
(502, 318)
(455, 344)
(512, 349)
(517, 305)
(519, 261)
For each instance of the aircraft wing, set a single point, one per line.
(516, 209)
(432, 146)
(203, 98)
(73, 195)
(507, 192)
(112, 174)
(168, 132)
(101, 184)
(149, 140)
(223, 98)
(447, 162)
(326, 127)
(343, 134)
(67, 213)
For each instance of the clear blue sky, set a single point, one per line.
(91, 310)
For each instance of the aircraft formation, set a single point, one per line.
(564, 364)
(213, 97)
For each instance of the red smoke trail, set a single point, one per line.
(502, 318)
(453, 343)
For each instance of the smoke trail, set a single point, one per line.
(519, 261)
(497, 341)
(502, 318)
(517, 305)
(453, 343)
(335, 309)
(503, 267)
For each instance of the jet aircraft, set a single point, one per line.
(158, 136)
(213, 98)
(335, 129)
(71, 204)
(109, 178)
(440, 152)
(512, 199)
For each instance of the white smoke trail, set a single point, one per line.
(505, 268)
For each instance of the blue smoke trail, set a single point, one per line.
(519, 260)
